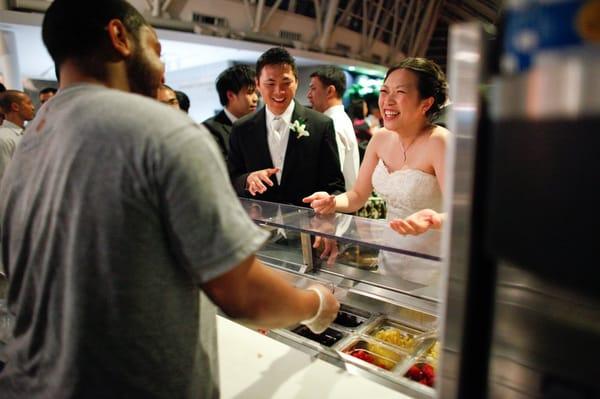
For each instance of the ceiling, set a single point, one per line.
(180, 50)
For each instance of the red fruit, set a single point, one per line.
(362, 355)
(414, 373)
(428, 371)
(424, 381)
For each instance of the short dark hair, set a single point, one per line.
(9, 97)
(356, 110)
(184, 100)
(372, 100)
(276, 56)
(431, 82)
(77, 29)
(164, 86)
(331, 75)
(234, 79)
(46, 90)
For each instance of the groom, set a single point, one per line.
(284, 152)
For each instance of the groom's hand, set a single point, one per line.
(255, 182)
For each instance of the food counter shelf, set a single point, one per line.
(379, 329)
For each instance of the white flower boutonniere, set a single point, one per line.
(299, 127)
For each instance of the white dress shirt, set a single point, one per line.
(10, 135)
(231, 116)
(278, 132)
(346, 142)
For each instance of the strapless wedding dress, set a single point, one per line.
(405, 192)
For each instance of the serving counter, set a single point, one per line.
(254, 366)
(387, 284)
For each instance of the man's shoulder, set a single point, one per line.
(248, 120)
(130, 111)
(6, 133)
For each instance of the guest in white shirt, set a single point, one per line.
(327, 86)
(17, 108)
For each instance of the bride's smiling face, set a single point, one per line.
(400, 101)
(277, 85)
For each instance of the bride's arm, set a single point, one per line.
(358, 195)
(437, 147)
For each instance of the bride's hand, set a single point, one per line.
(417, 223)
(321, 202)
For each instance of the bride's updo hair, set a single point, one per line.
(432, 82)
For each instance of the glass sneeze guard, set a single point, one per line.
(371, 232)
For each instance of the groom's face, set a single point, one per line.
(277, 85)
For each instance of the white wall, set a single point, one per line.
(199, 84)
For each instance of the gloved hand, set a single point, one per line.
(328, 309)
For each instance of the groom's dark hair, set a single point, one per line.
(276, 56)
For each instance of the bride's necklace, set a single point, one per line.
(405, 149)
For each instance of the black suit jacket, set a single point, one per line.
(220, 127)
(311, 162)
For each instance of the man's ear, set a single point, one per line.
(120, 38)
(15, 107)
(229, 95)
(256, 87)
(331, 91)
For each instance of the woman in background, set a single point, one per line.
(358, 112)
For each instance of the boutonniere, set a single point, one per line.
(299, 127)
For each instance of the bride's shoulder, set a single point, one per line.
(383, 134)
(439, 134)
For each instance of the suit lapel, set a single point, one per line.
(291, 152)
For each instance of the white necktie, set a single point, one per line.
(278, 126)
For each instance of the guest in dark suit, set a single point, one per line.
(237, 94)
(284, 151)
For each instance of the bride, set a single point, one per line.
(404, 162)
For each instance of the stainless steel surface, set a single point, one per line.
(543, 332)
(394, 360)
(464, 76)
(307, 252)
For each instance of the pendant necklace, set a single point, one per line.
(407, 148)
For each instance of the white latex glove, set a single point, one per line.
(327, 312)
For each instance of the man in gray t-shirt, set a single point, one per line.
(114, 216)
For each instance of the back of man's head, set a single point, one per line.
(184, 101)
(8, 98)
(234, 79)
(76, 29)
(46, 93)
(331, 75)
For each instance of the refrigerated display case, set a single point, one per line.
(522, 311)
(387, 327)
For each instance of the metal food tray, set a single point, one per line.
(384, 323)
(385, 357)
(362, 317)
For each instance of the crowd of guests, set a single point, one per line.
(117, 211)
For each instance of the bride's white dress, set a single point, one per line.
(405, 192)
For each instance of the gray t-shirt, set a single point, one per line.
(114, 209)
